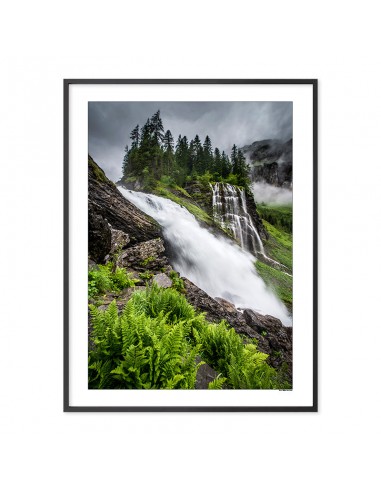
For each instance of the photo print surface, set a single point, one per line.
(190, 240)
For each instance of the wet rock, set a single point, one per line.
(252, 210)
(253, 320)
(226, 304)
(215, 312)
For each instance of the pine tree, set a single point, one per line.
(207, 154)
(197, 156)
(157, 128)
(168, 141)
(217, 164)
(234, 159)
(146, 136)
(182, 159)
(225, 165)
(152, 154)
(125, 166)
(135, 137)
(241, 169)
(169, 159)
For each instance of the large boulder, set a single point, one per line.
(205, 375)
(147, 255)
(162, 280)
(119, 241)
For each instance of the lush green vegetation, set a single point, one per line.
(153, 156)
(108, 278)
(279, 245)
(182, 198)
(279, 281)
(156, 341)
(177, 282)
(278, 223)
(280, 216)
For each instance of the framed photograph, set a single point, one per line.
(190, 251)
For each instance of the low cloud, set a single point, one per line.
(265, 193)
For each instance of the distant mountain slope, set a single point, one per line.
(270, 161)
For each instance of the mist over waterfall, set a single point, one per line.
(266, 193)
(230, 211)
(215, 264)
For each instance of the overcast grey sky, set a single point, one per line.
(226, 123)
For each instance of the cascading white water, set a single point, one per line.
(230, 211)
(215, 264)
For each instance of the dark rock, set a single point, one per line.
(91, 265)
(252, 319)
(106, 201)
(119, 240)
(148, 255)
(252, 210)
(205, 375)
(99, 235)
(279, 337)
(162, 280)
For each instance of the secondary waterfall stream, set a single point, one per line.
(215, 264)
(230, 211)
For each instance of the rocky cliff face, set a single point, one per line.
(252, 210)
(271, 162)
(110, 211)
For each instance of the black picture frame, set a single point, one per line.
(67, 406)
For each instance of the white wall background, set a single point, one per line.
(44, 449)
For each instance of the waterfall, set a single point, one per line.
(230, 211)
(215, 264)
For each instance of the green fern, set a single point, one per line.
(155, 342)
(108, 278)
(133, 350)
(217, 383)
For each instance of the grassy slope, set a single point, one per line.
(279, 216)
(279, 281)
(278, 247)
(183, 198)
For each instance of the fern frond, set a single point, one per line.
(217, 383)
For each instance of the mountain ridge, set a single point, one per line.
(270, 161)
